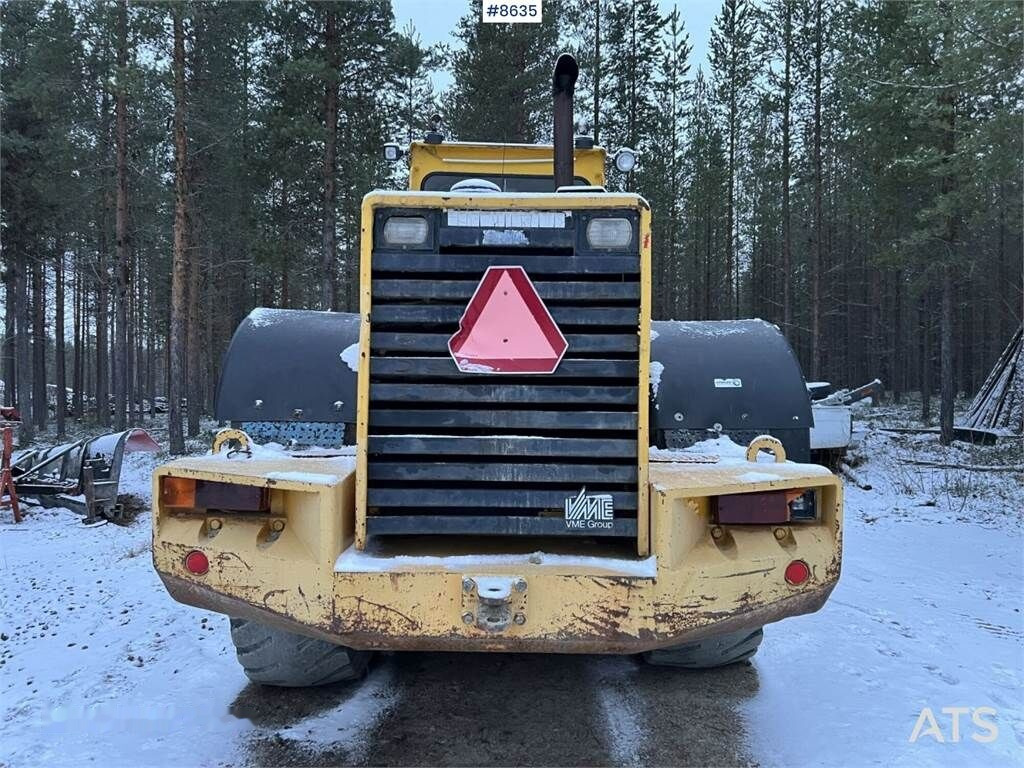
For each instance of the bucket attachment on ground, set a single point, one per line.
(82, 476)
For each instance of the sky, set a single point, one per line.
(435, 20)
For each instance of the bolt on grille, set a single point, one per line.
(471, 453)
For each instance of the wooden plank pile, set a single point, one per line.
(999, 404)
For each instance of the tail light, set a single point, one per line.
(197, 562)
(797, 572)
(190, 493)
(766, 508)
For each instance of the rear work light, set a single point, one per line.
(405, 230)
(609, 233)
(766, 508)
(189, 493)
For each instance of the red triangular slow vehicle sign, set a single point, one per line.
(506, 328)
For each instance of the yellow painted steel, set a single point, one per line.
(314, 575)
(643, 538)
(478, 158)
(443, 201)
(363, 379)
(691, 586)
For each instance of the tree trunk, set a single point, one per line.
(947, 390)
(179, 269)
(9, 372)
(730, 215)
(23, 354)
(816, 254)
(194, 355)
(77, 384)
(926, 355)
(103, 283)
(329, 255)
(122, 276)
(787, 231)
(39, 394)
(61, 406)
(597, 72)
(138, 387)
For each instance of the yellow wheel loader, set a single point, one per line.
(501, 451)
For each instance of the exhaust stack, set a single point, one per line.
(564, 85)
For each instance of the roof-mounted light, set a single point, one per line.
(625, 159)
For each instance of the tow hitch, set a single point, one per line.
(494, 602)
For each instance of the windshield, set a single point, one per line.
(442, 182)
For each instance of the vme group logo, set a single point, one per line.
(589, 512)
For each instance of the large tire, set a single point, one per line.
(715, 651)
(272, 656)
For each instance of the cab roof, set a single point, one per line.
(467, 159)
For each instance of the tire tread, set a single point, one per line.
(710, 652)
(271, 656)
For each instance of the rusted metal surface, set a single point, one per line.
(8, 493)
(364, 629)
(699, 586)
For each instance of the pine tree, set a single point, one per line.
(779, 45)
(634, 51)
(662, 177)
(178, 339)
(502, 79)
(416, 101)
(703, 216)
(733, 67)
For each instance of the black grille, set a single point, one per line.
(463, 453)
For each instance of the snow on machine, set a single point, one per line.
(484, 478)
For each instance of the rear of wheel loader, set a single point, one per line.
(484, 477)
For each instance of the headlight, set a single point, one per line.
(625, 160)
(609, 233)
(392, 152)
(405, 230)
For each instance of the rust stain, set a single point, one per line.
(270, 593)
(227, 560)
(360, 619)
(748, 573)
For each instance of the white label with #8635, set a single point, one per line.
(523, 12)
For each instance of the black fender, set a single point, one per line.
(739, 374)
(286, 365)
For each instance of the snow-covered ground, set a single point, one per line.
(99, 666)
